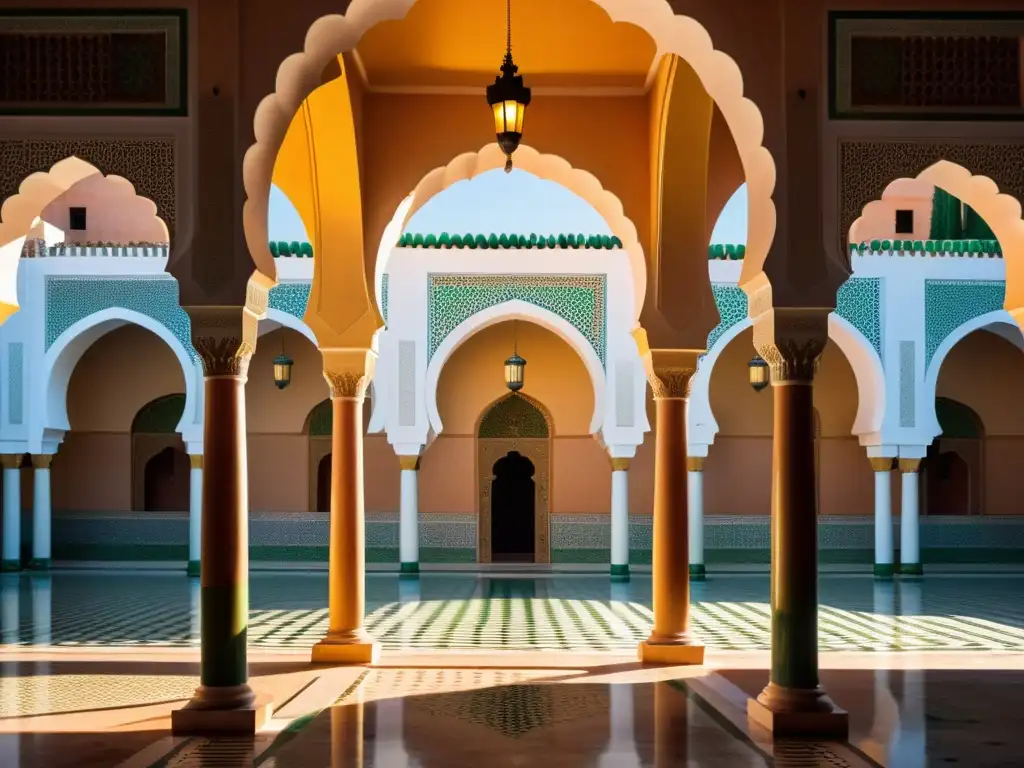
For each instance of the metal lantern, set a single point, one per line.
(514, 370)
(283, 371)
(758, 370)
(508, 99)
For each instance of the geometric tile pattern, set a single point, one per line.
(27, 696)
(291, 297)
(384, 281)
(578, 299)
(858, 303)
(948, 304)
(731, 301)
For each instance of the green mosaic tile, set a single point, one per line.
(71, 299)
(291, 298)
(858, 302)
(731, 301)
(578, 299)
(948, 304)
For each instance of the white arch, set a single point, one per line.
(999, 317)
(516, 309)
(61, 358)
(281, 319)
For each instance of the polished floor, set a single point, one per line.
(509, 671)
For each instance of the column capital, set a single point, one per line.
(909, 466)
(619, 464)
(196, 460)
(224, 338)
(694, 463)
(41, 460)
(669, 371)
(411, 463)
(882, 463)
(10, 460)
(348, 372)
(791, 342)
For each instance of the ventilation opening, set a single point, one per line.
(76, 219)
(904, 222)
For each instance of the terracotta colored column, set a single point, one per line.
(695, 500)
(12, 512)
(224, 701)
(42, 513)
(346, 640)
(670, 641)
(794, 703)
(882, 468)
(910, 518)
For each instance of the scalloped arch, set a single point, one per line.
(1000, 211)
(21, 211)
(329, 36)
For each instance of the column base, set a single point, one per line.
(203, 716)
(409, 569)
(328, 651)
(10, 566)
(788, 712)
(620, 572)
(192, 568)
(39, 564)
(883, 571)
(671, 653)
(911, 569)
(697, 572)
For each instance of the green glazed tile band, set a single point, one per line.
(620, 570)
(193, 568)
(39, 564)
(883, 570)
(911, 569)
(10, 565)
(224, 623)
(409, 568)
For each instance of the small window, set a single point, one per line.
(76, 219)
(904, 222)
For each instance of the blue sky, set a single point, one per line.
(517, 202)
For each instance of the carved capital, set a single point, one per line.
(694, 463)
(348, 372)
(411, 463)
(196, 460)
(669, 372)
(791, 342)
(880, 464)
(910, 466)
(10, 460)
(224, 338)
(619, 465)
(41, 460)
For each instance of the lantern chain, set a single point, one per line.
(508, 28)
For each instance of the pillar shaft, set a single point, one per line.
(409, 516)
(620, 517)
(195, 514)
(12, 512)
(695, 500)
(42, 513)
(883, 517)
(910, 517)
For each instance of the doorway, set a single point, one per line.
(166, 480)
(323, 484)
(513, 510)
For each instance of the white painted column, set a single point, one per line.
(883, 517)
(910, 518)
(409, 516)
(42, 513)
(695, 500)
(620, 517)
(12, 512)
(195, 513)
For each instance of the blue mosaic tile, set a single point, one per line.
(291, 298)
(948, 304)
(731, 301)
(859, 303)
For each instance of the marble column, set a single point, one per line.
(620, 518)
(882, 468)
(42, 514)
(409, 516)
(224, 701)
(794, 703)
(695, 498)
(346, 641)
(11, 463)
(195, 513)
(670, 641)
(910, 518)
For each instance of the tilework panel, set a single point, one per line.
(948, 304)
(731, 301)
(15, 382)
(450, 531)
(406, 383)
(291, 298)
(580, 532)
(908, 406)
(70, 299)
(578, 299)
(385, 279)
(858, 303)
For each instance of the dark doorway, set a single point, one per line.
(323, 484)
(949, 484)
(166, 482)
(513, 500)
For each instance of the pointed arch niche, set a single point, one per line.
(160, 465)
(512, 429)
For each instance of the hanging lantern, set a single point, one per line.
(282, 371)
(758, 370)
(508, 98)
(514, 370)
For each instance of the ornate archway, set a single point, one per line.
(514, 424)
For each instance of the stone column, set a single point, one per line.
(11, 463)
(910, 518)
(346, 640)
(224, 702)
(409, 516)
(620, 518)
(195, 513)
(793, 703)
(883, 516)
(670, 642)
(42, 514)
(695, 498)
